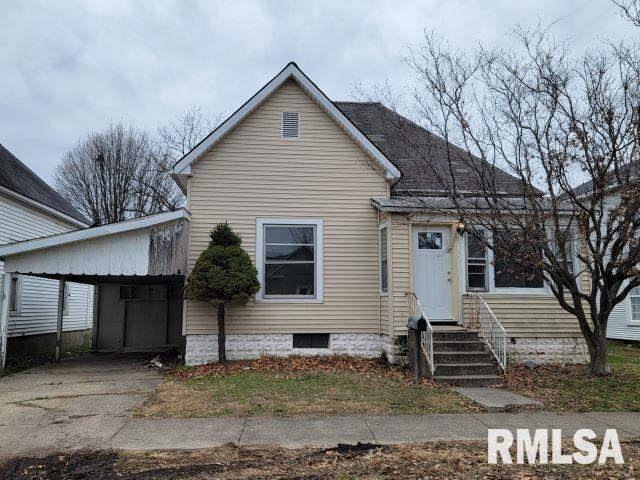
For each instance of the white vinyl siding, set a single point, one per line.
(253, 173)
(39, 296)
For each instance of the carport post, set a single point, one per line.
(4, 319)
(61, 301)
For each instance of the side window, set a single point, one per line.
(14, 294)
(476, 262)
(384, 264)
(634, 299)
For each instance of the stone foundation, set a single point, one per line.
(201, 349)
(548, 350)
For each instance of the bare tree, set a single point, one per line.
(551, 123)
(629, 9)
(116, 174)
(180, 135)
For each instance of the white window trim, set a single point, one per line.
(319, 250)
(292, 139)
(18, 309)
(465, 254)
(631, 322)
(384, 224)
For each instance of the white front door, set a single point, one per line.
(432, 270)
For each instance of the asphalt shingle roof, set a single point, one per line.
(17, 177)
(408, 147)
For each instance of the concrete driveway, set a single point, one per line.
(82, 402)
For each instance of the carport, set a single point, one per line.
(138, 270)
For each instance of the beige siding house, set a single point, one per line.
(327, 202)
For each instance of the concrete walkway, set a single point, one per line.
(299, 432)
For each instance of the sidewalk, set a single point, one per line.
(103, 432)
(299, 432)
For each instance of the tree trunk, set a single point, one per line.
(222, 337)
(599, 365)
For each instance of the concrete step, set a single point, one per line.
(469, 380)
(464, 369)
(461, 357)
(458, 346)
(451, 335)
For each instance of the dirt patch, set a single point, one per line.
(434, 461)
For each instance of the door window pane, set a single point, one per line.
(429, 240)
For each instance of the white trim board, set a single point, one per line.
(290, 71)
(89, 233)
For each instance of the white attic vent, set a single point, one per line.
(290, 125)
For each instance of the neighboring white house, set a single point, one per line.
(624, 320)
(29, 208)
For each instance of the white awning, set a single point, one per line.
(153, 245)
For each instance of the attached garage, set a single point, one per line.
(138, 269)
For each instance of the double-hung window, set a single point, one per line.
(476, 262)
(289, 254)
(634, 301)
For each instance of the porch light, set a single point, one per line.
(461, 228)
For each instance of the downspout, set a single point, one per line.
(379, 272)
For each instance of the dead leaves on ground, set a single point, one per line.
(286, 366)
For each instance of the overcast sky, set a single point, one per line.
(71, 67)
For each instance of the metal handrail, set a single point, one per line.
(426, 337)
(494, 334)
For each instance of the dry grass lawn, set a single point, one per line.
(298, 386)
(566, 388)
(433, 461)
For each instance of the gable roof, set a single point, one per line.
(17, 178)
(290, 71)
(382, 127)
